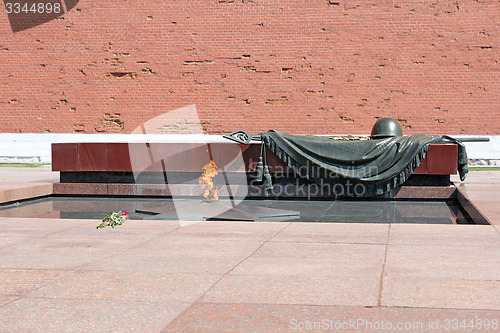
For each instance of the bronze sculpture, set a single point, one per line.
(369, 167)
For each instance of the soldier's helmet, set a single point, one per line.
(386, 128)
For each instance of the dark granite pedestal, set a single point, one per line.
(108, 169)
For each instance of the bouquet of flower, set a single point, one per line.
(113, 219)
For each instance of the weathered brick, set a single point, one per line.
(315, 66)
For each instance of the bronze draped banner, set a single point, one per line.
(357, 168)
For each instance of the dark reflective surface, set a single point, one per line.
(355, 211)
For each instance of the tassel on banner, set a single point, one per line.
(260, 165)
(260, 170)
(268, 183)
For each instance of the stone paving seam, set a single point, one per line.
(356, 306)
(437, 308)
(88, 299)
(16, 299)
(496, 227)
(381, 283)
(227, 273)
(321, 242)
(326, 210)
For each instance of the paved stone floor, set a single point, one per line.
(151, 276)
(24, 183)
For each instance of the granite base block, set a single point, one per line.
(289, 191)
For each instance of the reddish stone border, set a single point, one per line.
(254, 191)
(441, 159)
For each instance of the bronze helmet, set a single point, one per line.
(386, 128)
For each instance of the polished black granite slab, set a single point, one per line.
(328, 211)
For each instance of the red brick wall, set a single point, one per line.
(314, 66)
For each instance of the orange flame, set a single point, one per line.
(206, 181)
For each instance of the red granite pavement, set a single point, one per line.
(151, 276)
